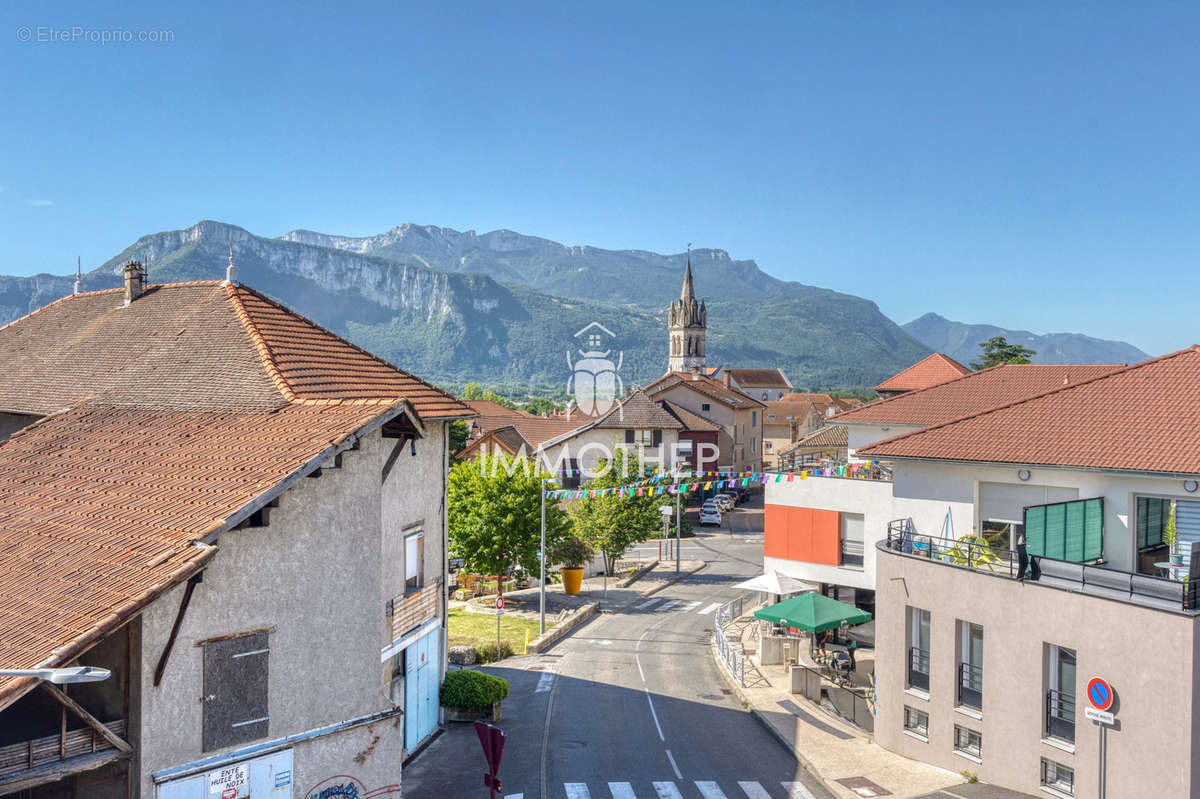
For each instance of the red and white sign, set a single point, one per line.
(499, 603)
(229, 793)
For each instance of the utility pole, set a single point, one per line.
(677, 529)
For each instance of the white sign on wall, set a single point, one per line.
(231, 782)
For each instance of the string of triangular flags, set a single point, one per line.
(655, 485)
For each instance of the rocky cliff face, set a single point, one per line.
(504, 308)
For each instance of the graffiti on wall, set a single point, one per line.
(343, 786)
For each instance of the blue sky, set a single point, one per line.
(1030, 164)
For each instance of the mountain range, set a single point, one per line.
(961, 341)
(502, 308)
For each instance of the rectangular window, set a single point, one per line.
(414, 557)
(570, 477)
(968, 741)
(852, 539)
(767, 445)
(1072, 531)
(685, 446)
(1152, 515)
(918, 649)
(916, 721)
(970, 665)
(704, 406)
(235, 691)
(629, 437)
(754, 417)
(1060, 694)
(1059, 777)
(753, 445)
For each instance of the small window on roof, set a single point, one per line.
(704, 406)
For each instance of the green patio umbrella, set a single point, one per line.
(815, 613)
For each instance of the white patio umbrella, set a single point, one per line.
(772, 582)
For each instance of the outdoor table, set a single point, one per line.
(1176, 570)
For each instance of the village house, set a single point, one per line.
(239, 514)
(937, 368)
(977, 669)
(766, 385)
(738, 415)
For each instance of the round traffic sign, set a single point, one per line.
(1100, 693)
(499, 603)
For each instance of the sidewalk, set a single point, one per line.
(526, 601)
(842, 755)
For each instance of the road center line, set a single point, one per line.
(671, 757)
(655, 715)
(638, 659)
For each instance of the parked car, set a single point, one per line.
(710, 515)
(724, 501)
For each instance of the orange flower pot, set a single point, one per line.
(572, 580)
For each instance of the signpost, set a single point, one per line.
(1100, 696)
(491, 738)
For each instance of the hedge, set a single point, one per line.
(469, 689)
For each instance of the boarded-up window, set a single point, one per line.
(235, 691)
(1072, 531)
(414, 546)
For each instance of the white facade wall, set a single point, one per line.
(860, 435)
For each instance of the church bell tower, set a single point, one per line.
(687, 323)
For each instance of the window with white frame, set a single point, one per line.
(916, 721)
(970, 665)
(1059, 777)
(968, 741)
(918, 648)
(1060, 692)
(414, 547)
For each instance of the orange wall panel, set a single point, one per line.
(810, 535)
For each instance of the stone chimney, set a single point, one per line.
(133, 281)
(727, 379)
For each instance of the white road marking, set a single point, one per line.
(621, 790)
(753, 790)
(577, 790)
(667, 790)
(545, 682)
(689, 607)
(514, 796)
(674, 767)
(710, 790)
(709, 609)
(638, 660)
(655, 715)
(670, 603)
(796, 790)
(648, 602)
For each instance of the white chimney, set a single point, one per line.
(231, 270)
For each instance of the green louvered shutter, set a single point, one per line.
(1071, 531)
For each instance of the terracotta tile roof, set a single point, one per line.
(971, 393)
(491, 415)
(640, 412)
(1144, 418)
(692, 422)
(165, 422)
(537, 430)
(796, 396)
(713, 389)
(759, 378)
(937, 368)
(782, 412)
(833, 436)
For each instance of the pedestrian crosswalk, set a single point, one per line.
(662, 604)
(701, 789)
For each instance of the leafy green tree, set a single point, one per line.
(471, 391)
(997, 350)
(541, 405)
(612, 524)
(458, 435)
(495, 514)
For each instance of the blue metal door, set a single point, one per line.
(421, 690)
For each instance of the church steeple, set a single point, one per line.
(687, 324)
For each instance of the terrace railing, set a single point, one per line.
(918, 668)
(733, 659)
(972, 552)
(1060, 715)
(970, 685)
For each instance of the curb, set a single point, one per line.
(560, 630)
(759, 716)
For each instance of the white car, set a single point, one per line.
(724, 501)
(710, 515)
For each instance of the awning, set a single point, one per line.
(815, 613)
(863, 633)
(773, 582)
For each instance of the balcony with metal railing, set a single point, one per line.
(918, 668)
(1060, 715)
(970, 685)
(976, 554)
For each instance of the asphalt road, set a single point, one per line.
(630, 707)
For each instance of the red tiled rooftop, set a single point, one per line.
(937, 368)
(971, 393)
(1144, 418)
(714, 389)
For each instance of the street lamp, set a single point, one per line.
(73, 675)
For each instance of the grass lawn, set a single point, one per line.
(477, 629)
